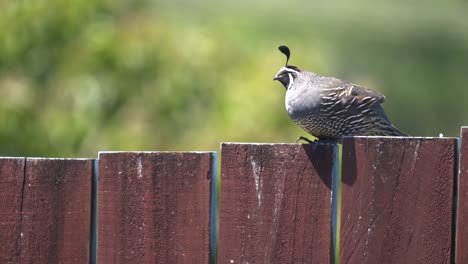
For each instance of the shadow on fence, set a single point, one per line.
(399, 200)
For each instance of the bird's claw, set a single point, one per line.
(306, 140)
(316, 141)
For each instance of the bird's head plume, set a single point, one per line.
(285, 50)
(288, 73)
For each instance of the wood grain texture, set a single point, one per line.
(154, 207)
(275, 203)
(55, 223)
(462, 212)
(11, 187)
(397, 200)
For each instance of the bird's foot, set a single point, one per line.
(316, 141)
(306, 140)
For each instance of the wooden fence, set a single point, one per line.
(386, 200)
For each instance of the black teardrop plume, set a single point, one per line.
(285, 50)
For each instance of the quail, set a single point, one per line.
(329, 108)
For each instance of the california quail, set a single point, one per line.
(329, 108)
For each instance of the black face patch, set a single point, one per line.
(284, 79)
(286, 75)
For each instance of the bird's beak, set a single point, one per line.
(275, 78)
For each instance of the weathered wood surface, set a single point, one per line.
(275, 204)
(397, 200)
(45, 210)
(462, 213)
(154, 207)
(11, 185)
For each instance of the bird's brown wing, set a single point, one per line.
(357, 109)
(362, 97)
(353, 98)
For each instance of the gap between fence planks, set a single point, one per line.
(154, 207)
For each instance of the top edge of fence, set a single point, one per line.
(155, 152)
(44, 158)
(370, 137)
(55, 158)
(392, 137)
(264, 144)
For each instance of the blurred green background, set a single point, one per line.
(81, 76)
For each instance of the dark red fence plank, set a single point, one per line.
(275, 203)
(154, 207)
(462, 212)
(11, 185)
(397, 198)
(56, 211)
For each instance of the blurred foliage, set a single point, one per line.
(81, 76)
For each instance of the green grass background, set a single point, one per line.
(81, 76)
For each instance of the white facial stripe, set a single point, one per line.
(291, 80)
(290, 70)
(285, 69)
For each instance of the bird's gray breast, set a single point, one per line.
(302, 101)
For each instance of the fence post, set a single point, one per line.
(462, 209)
(397, 200)
(275, 203)
(45, 210)
(154, 207)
